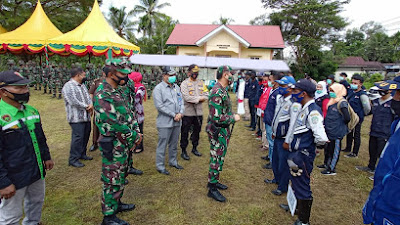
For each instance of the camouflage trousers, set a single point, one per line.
(218, 148)
(56, 86)
(113, 176)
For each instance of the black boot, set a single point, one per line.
(304, 207)
(122, 207)
(50, 92)
(45, 91)
(214, 193)
(54, 96)
(40, 88)
(184, 155)
(59, 96)
(113, 220)
(195, 152)
(135, 171)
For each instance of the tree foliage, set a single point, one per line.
(224, 21)
(307, 26)
(149, 9)
(121, 21)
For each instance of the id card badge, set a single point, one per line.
(291, 199)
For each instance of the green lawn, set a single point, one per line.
(73, 195)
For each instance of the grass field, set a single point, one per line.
(73, 195)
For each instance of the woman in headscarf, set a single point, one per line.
(322, 97)
(336, 121)
(140, 96)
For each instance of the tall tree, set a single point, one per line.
(121, 21)
(149, 9)
(224, 21)
(307, 26)
(65, 14)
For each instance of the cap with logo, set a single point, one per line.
(286, 80)
(194, 68)
(121, 64)
(12, 78)
(389, 84)
(306, 85)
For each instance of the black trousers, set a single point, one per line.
(189, 122)
(140, 146)
(332, 154)
(253, 114)
(79, 140)
(356, 136)
(376, 145)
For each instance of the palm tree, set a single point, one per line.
(120, 21)
(150, 11)
(224, 21)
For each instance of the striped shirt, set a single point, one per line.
(76, 99)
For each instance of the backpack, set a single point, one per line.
(354, 119)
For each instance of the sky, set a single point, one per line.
(357, 12)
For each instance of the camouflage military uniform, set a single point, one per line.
(45, 79)
(118, 126)
(219, 119)
(37, 77)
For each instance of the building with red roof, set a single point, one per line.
(231, 41)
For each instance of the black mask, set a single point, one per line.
(20, 98)
(395, 105)
(383, 93)
(125, 78)
(84, 80)
(194, 75)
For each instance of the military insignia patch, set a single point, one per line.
(6, 118)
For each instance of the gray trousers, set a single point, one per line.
(167, 136)
(29, 200)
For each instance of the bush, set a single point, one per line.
(369, 80)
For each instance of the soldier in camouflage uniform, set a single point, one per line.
(10, 64)
(218, 129)
(119, 135)
(37, 72)
(45, 78)
(52, 79)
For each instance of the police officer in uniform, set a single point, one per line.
(306, 131)
(218, 129)
(119, 135)
(193, 96)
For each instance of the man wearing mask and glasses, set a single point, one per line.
(119, 135)
(193, 96)
(24, 154)
(169, 104)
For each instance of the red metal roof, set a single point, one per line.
(257, 36)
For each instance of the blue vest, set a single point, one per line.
(269, 111)
(253, 87)
(303, 138)
(334, 122)
(354, 98)
(382, 119)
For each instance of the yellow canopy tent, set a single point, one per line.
(30, 36)
(93, 36)
(2, 30)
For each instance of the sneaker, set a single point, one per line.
(322, 166)
(328, 172)
(371, 178)
(351, 155)
(365, 169)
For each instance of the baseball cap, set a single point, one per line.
(194, 68)
(12, 78)
(168, 70)
(286, 80)
(389, 84)
(306, 85)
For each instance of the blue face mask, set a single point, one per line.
(283, 90)
(297, 98)
(172, 79)
(354, 86)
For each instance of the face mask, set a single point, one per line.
(332, 94)
(319, 92)
(341, 78)
(270, 84)
(297, 98)
(230, 80)
(119, 79)
(194, 76)
(329, 81)
(172, 79)
(265, 83)
(284, 90)
(84, 79)
(354, 86)
(395, 105)
(383, 93)
(20, 98)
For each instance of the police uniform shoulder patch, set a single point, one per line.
(6, 118)
(295, 108)
(315, 116)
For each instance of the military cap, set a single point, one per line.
(168, 70)
(12, 78)
(121, 64)
(194, 68)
